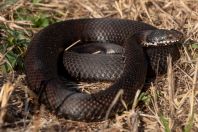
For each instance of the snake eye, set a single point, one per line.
(170, 37)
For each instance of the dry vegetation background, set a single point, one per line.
(169, 104)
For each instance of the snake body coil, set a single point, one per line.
(44, 66)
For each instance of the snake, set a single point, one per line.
(145, 53)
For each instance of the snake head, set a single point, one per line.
(160, 37)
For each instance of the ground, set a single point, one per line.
(168, 104)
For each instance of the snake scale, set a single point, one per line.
(144, 52)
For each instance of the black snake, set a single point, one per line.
(145, 52)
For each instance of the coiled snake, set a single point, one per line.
(145, 52)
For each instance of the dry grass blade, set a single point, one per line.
(72, 45)
(117, 97)
(171, 89)
(155, 105)
(5, 94)
(133, 118)
(191, 115)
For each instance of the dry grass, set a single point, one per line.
(172, 100)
